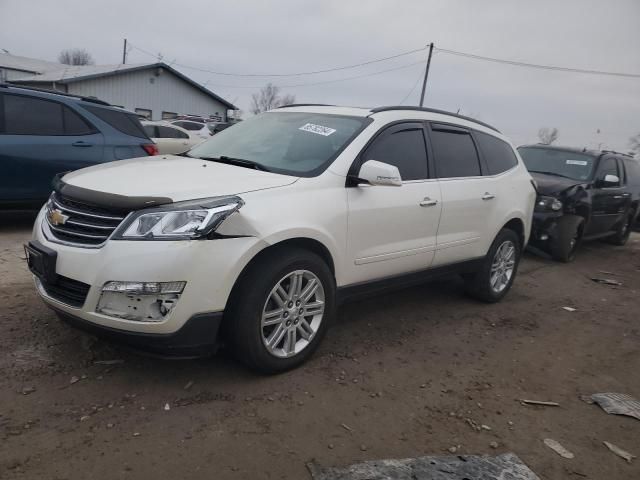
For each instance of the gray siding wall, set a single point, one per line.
(9, 74)
(146, 89)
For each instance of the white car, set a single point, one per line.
(196, 128)
(171, 139)
(274, 222)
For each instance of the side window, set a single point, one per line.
(404, 148)
(32, 116)
(74, 124)
(498, 155)
(123, 121)
(150, 130)
(455, 153)
(168, 132)
(608, 166)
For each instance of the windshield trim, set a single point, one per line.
(365, 122)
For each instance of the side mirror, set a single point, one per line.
(611, 181)
(379, 173)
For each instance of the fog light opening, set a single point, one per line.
(139, 301)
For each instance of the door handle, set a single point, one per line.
(81, 144)
(427, 202)
(488, 196)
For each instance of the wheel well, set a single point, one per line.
(517, 226)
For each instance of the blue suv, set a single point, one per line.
(43, 133)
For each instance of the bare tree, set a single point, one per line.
(547, 135)
(75, 56)
(268, 98)
(634, 142)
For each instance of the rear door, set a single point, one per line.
(609, 202)
(392, 230)
(40, 138)
(468, 198)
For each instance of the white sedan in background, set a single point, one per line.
(199, 129)
(171, 139)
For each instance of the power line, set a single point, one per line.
(296, 74)
(401, 67)
(534, 65)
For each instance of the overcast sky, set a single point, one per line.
(285, 36)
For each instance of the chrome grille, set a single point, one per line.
(79, 223)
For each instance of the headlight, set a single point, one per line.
(546, 204)
(178, 221)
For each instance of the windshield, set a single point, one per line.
(565, 163)
(293, 143)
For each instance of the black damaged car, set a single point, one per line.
(582, 194)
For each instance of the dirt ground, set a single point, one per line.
(401, 375)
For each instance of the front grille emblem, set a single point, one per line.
(56, 217)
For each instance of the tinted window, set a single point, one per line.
(498, 154)
(404, 149)
(608, 166)
(455, 154)
(151, 131)
(35, 116)
(632, 168)
(168, 132)
(32, 116)
(74, 124)
(125, 122)
(192, 126)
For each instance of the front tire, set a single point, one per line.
(567, 239)
(281, 309)
(498, 271)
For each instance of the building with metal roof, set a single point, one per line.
(153, 90)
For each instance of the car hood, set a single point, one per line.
(173, 177)
(553, 185)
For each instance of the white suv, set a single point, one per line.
(272, 223)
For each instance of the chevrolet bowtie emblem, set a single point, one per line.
(56, 217)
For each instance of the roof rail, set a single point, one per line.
(55, 92)
(618, 153)
(306, 105)
(433, 110)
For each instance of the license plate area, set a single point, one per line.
(41, 261)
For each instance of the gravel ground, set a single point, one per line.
(406, 374)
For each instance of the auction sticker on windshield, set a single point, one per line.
(318, 129)
(577, 162)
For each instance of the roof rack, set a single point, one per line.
(306, 105)
(55, 92)
(433, 110)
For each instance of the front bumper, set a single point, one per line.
(210, 268)
(544, 228)
(198, 336)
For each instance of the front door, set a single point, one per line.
(392, 230)
(609, 201)
(41, 138)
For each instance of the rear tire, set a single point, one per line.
(567, 239)
(498, 271)
(268, 329)
(622, 232)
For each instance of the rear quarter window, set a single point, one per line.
(497, 154)
(124, 122)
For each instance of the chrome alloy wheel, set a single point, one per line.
(292, 313)
(503, 266)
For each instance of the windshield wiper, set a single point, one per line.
(239, 162)
(551, 173)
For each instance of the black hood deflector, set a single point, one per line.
(105, 199)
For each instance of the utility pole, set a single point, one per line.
(426, 74)
(124, 52)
